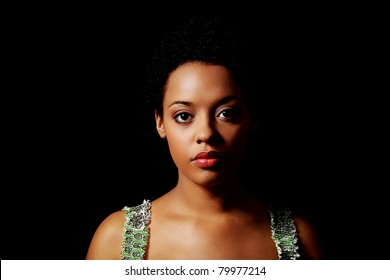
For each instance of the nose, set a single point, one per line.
(205, 130)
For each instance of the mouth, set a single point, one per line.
(207, 159)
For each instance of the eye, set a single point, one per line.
(229, 114)
(182, 117)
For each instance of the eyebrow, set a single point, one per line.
(223, 100)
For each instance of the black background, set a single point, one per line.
(79, 146)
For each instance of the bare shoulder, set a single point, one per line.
(309, 241)
(106, 242)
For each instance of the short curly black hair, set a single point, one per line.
(209, 39)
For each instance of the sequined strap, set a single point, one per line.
(284, 233)
(136, 231)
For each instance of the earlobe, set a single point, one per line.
(159, 124)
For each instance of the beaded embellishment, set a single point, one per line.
(284, 233)
(136, 231)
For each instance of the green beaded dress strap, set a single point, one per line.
(284, 233)
(136, 231)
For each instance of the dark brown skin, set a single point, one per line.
(206, 215)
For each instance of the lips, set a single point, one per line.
(207, 159)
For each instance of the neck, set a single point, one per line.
(207, 200)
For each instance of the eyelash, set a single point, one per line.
(234, 114)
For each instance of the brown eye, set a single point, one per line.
(229, 114)
(182, 117)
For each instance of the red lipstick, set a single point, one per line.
(206, 159)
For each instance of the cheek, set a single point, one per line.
(177, 142)
(236, 135)
(239, 144)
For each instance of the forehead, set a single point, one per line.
(199, 78)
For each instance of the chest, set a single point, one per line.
(211, 241)
(273, 238)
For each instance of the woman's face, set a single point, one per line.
(205, 121)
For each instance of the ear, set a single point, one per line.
(159, 124)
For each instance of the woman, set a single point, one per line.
(203, 99)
